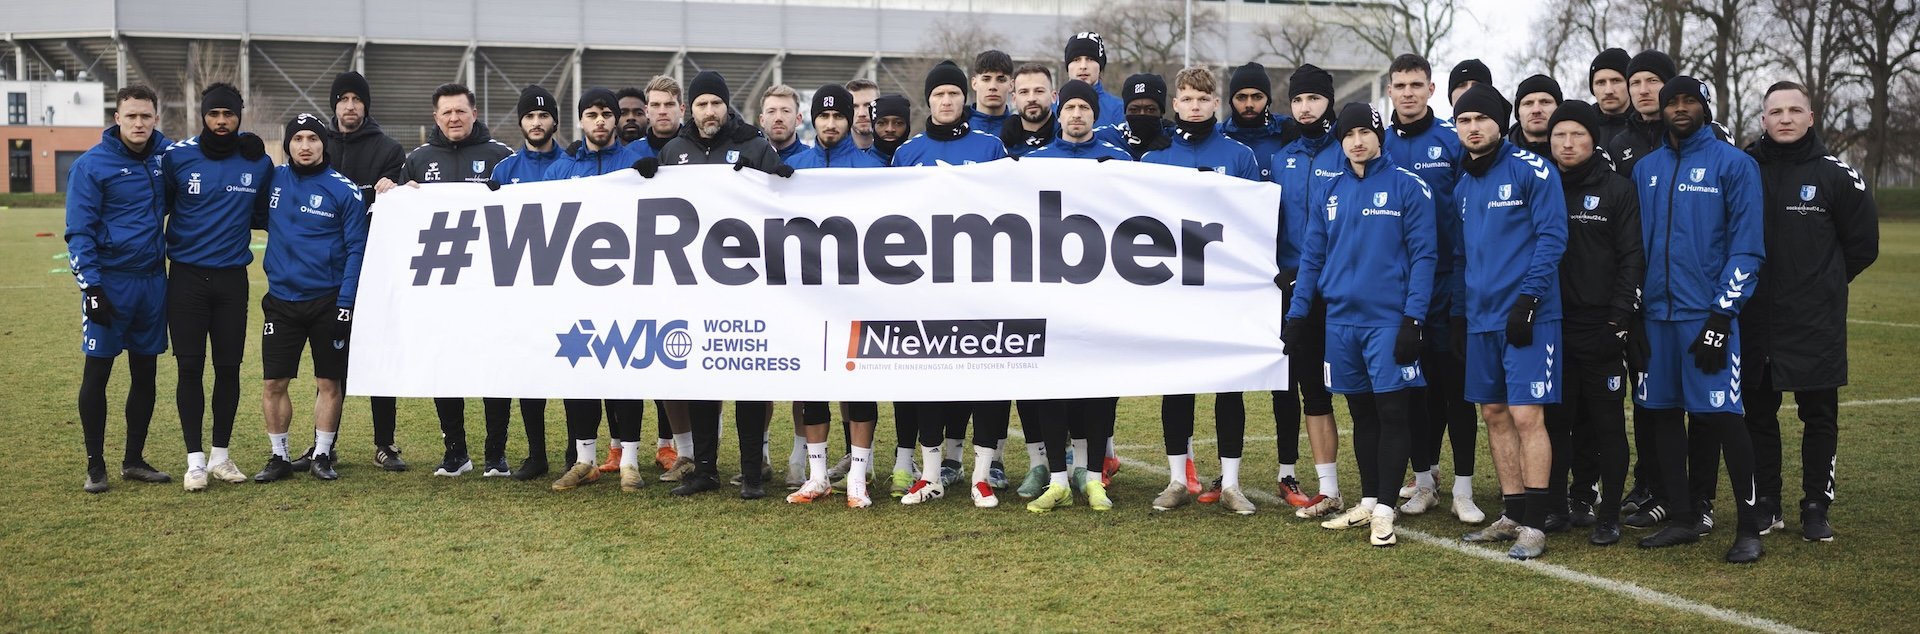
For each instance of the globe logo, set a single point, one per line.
(677, 344)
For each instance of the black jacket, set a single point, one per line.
(1604, 265)
(737, 142)
(367, 155)
(1822, 229)
(471, 160)
(1612, 124)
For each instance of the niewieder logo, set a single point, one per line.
(948, 339)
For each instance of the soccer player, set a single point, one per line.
(632, 112)
(211, 181)
(864, 93)
(780, 120)
(1607, 80)
(1822, 231)
(1086, 59)
(1513, 232)
(1249, 98)
(1036, 125)
(948, 139)
(892, 124)
(1145, 127)
(1466, 74)
(1305, 169)
(1368, 256)
(114, 210)
(991, 82)
(539, 120)
(1646, 74)
(1077, 118)
(1534, 103)
(317, 232)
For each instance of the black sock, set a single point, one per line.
(190, 400)
(1539, 503)
(93, 408)
(140, 396)
(384, 410)
(533, 414)
(226, 403)
(1514, 506)
(453, 423)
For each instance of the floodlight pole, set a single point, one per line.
(1186, 39)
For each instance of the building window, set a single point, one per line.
(16, 108)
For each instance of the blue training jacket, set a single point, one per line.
(973, 147)
(578, 162)
(1305, 170)
(1513, 232)
(987, 123)
(1370, 252)
(1700, 217)
(1264, 140)
(210, 205)
(1433, 154)
(526, 165)
(1093, 148)
(842, 154)
(1215, 151)
(316, 235)
(114, 209)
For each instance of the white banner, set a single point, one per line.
(1033, 279)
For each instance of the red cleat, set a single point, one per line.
(1193, 480)
(1108, 469)
(1290, 491)
(612, 465)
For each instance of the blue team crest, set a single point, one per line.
(1379, 199)
(1506, 191)
(1538, 388)
(1698, 174)
(1807, 192)
(479, 166)
(1717, 397)
(733, 156)
(1433, 152)
(246, 180)
(1613, 384)
(313, 201)
(1408, 372)
(1591, 202)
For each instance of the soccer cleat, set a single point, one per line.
(1407, 490)
(532, 467)
(949, 473)
(1528, 543)
(902, 480)
(613, 459)
(1355, 517)
(388, 458)
(322, 467)
(858, 500)
(997, 476)
(304, 461)
(1466, 511)
(682, 467)
(1109, 468)
(1193, 480)
(196, 479)
(811, 491)
(1580, 514)
(1212, 493)
(696, 483)
(497, 468)
(1290, 491)
(923, 491)
(1097, 497)
(277, 468)
(1321, 506)
(1703, 524)
(140, 471)
(983, 496)
(1035, 482)
(96, 479)
(1233, 500)
(664, 457)
(227, 472)
(753, 488)
(630, 478)
(1423, 498)
(453, 465)
(1078, 481)
(1054, 496)
(577, 474)
(1637, 499)
(1746, 549)
(840, 469)
(1502, 529)
(1605, 533)
(1814, 526)
(1649, 516)
(1557, 523)
(1176, 495)
(796, 472)
(1769, 510)
(1382, 534)
(1672, 535)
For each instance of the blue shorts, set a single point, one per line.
(139, 316)
(1501, 374)
(1360, 361)
(1671, 380)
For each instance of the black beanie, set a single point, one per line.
(598, 96)
(946, 73)
(893, 105)
(1145, 86)
(1309, 79)
(1358, 115)
(1538, 83)
(1579, 112)
(1254, 76)
(308, 122)
(1469, 70)
(1087, 44)
(1076, 89)
(1654, 62)
(220, 96)
(706, 83)
(1687, 85)
(351, 82)
(1614, 59)
(833, 98)
(534, 98)
(1486, 100)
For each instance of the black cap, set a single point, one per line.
(1579, 112)
(707, 83)
(1486, 100)
(308, 122)
(1613, 59)
(1145, 86)
(1076, 89)
(221, 96)
(601, 97)
(534, 98)
(1358, 115)
(833, 98)
(893, 105)
(1688, 86)
(1469, 70)
(946, 73)
(1252, 75)
(1654, 62)
(1087, 44)
(351, 82)
(1310, 79)
(1538, 83)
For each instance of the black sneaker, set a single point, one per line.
(1648, 517)
(1746, 549)
(304, 462)
(388, 458)
(1672, 535)
(497, 468)
(277, 469)
(96, 478)
(322, 467)
(1580, 513)
(696, 483)
(1704, 523)
(1813, 522)
(140, 471)
(532, 467)
(454, 465)
(753, 489)
(1605, 533)
(1769, 510)
(1557, 523)
(1637, 499)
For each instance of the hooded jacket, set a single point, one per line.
(1604, 264)
(526, 165)
(1822, 230)
(842, 154)
(114, 209)
(210, 205)
(1265, 139)
(1369, 251)
(1701, 219)
(1513, 232)
(972, 146)
(472, 159)
(735, 142)
(1305, 170)
(366, 154)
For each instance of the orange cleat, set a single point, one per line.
(612, 464)
(1193, 480)
(1109, 468)
(1290, 491)
(1212, 494)
(664, 457)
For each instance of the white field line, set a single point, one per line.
(1870, 322)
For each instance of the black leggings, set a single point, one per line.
(1382, 440)
(1730, 431)
(453, 425)
(189, 396)
(1589, 422)
(936, 417)
(990, 421)
(1229, 423)
(906, 424)
(384, 410)
(1820, 424)
(139, 406)
(533, 413)
(1441, 411)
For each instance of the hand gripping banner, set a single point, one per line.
(1032, 279)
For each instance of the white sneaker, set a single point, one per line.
(1382, 535)
(983, 496)
(858, 500)
(1423, 498)
(923, 491)
(1467, 511)
(1355, 517)
(812, 490)
(1408, 490)
(796, 472)
(227, 472)
(196, 479)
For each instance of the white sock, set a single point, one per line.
(683, 444)
(1463, 486)
(323, 442)
(663, 443)
(929, 460)
(630, 454)
(1369, 504)
(1229, 472)
(1036, 454)
(1177, 469)
(982, 462)
(953, 449)
(766, 446)
(1329, 479)
(1286, 471)
(799, 449)
(857, 473)
(817, 461)
(196, 460)
(583, 451)
(1383, 510)
(279, 443)
(1057, 478)
(902, 457)
(1110, 452)
(219, 456)
(1080, 454)
(1423, 479)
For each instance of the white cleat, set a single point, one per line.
(1467, 511)
(196, 479)
(1355, 517)
(1423, 498)
(923, 491)
(983, 496)
(227, 472)
(1382, 535)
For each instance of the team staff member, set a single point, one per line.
(991, 82)
(115, 244)
(316, 234)
(364, 153)
(1305, 170)
(1821, 232)
(1250, 99)
(1036, 124)
(1534, 102)
(211, 182)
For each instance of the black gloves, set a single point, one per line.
(1634, 341)
(344, 317)
(647, 166)
(1206, 169)
(783, 171)
(1520, 321)
(1457, 337)
(1406, 347)
(1289, 335)
(342, 324)
(493, 185)
(94, 303)
(1710, 347)
(1102, 159)
(252, 148)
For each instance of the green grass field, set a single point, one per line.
(384, 551)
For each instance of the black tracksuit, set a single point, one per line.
(365, 156)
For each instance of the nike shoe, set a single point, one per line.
(1035, 482)
(1769, 510)
(322, 467)
(1814, 526)
(1637, 499)
(997, 476)
(276, 469)
(497, 468)
(1672, 535)
(1355, 517)
(1746, 549)
(1423, 498)
(858, 500)
(577, 474)
(1466, 511)
(1528, 543)
(1054, 496)
(1289, 490)
(96, 479)
(1097, 497)
(1501, 530)
(453, 465)
(1109, 468)
(1175, 496)
(949, 473)
(1605, 533)
(227, 472)
(196, 479)
(304, 461)
(1078, 481)
(696, 483)
(1193, 480)
(682, 467)
(664, 457)
(1322, 506)
(1649, 516)
(1233, 500)
(530, 468)
(844, 466)
(1212, 493)
(983, 496)
(140, 471)
(630, 478)
(902, 480)
(388, 458)
(613, 459)
(810, 491)
(796, 472)
(1411, 487)
(923, 491)
(1703, 524)
(1382, 534)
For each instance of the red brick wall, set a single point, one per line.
(47, 143)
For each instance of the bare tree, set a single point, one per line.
(1296, 41)
(957, 37)
(1401, 26)
(1737, 52)
(1884, 37)
(1149, 35)
(1815, 32)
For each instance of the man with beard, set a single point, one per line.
(539, 120)
(780, 120)
(1033, 102)
(864, 92)
(632, 114)
(992, 78)
(1534, 102)
(599, 150)
(1646, 74)
(892, 124)
(1250, 96)
(1607, 79)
